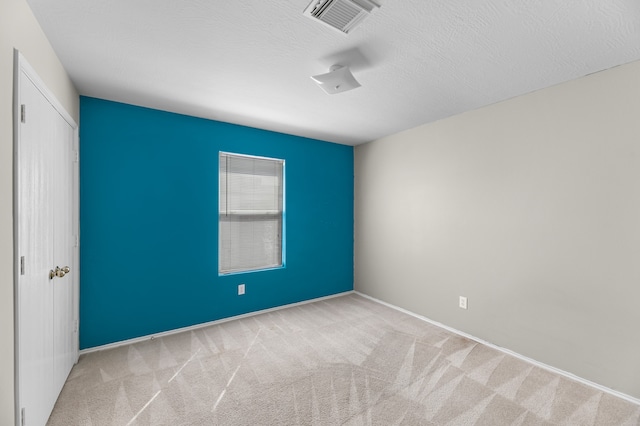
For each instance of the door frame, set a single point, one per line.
(20, 65)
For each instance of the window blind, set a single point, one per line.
(250, 213)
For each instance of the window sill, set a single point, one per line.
(250, 271)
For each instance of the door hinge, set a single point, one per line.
(21, 265)
(76, 241)
(75, 326)
(76, 156)
(22, 417)
(23, 113)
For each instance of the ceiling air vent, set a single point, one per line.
(342, 15)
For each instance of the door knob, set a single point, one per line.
(59, 272)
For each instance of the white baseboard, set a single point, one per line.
(206, 324)
(509, 352)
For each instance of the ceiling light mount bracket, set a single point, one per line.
(339, 79)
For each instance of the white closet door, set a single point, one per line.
(36, 246)
(45, 204)
(63, 242)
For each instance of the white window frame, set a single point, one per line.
(227, 266)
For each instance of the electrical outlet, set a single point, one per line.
(463, 302)
(240, 289)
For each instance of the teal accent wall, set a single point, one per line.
(149, 230)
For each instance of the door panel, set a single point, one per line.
(36, 245)
(62, 204)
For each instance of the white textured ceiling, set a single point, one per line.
(249, 61)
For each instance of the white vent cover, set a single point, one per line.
(342, 15)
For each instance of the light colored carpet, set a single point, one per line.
(341, 361)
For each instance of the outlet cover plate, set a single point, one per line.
(240, 289)
(463, 302)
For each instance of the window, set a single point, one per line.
(251, 213)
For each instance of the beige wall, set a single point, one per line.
(531, 209)
(20, 30)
